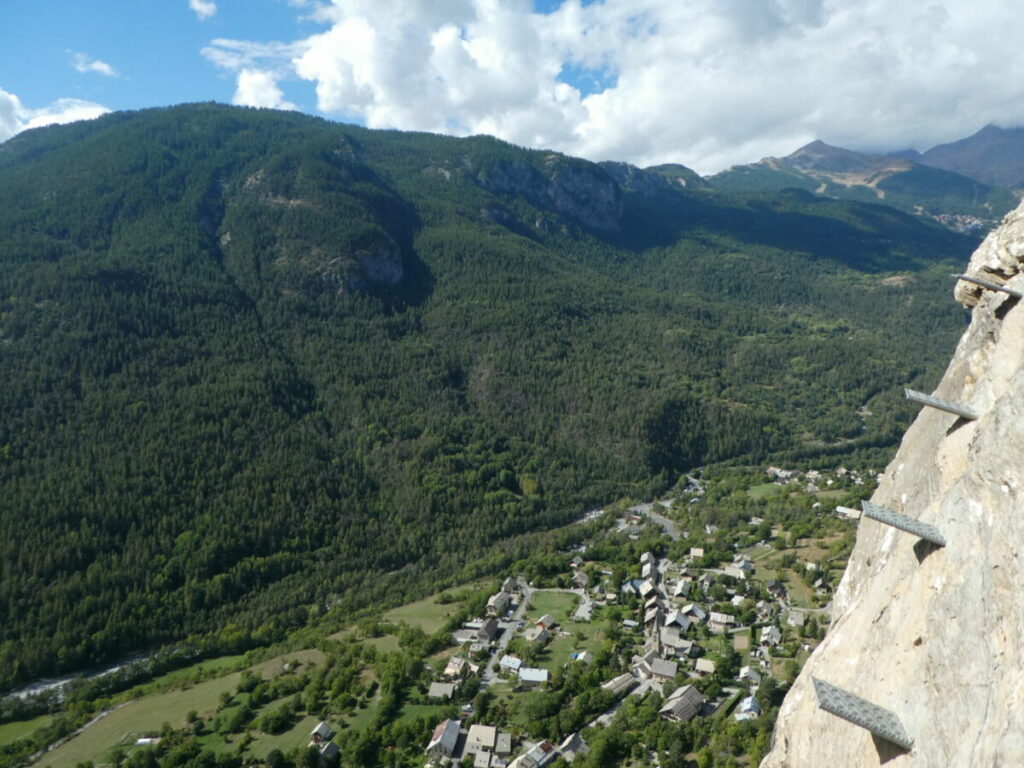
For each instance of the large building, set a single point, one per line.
(683, 705)
(482, 738)
(442, 743)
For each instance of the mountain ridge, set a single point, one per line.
(947, 197)
(993, 156)
(260, 366)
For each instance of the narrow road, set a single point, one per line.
(508, 628)
(667, 525)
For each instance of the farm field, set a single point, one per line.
(11, 732)
(140, 716)
(148, 714)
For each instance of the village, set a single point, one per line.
(701, 636)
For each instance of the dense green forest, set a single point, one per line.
(258, 365)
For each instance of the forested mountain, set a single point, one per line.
(905, 181)
(258, 364)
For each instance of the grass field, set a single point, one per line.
(148, 714)
(428, 614)
(764, 490)
(269, 668)
(556, 654)
(361, 719)
(584, 637)
(296, 736)
(384, 643)
(411, 712)
(559, 604)
(831, 494)
(11, 732)
(142, 716)
(225, 663)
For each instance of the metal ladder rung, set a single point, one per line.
(942, 405)
(924, 531)
(990, 285)
(862, 712)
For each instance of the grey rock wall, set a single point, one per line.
(937, 637)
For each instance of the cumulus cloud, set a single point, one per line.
(709, 83)
(15, 117)
(259, 88)
(204, 9)
(258, 67)
(85, 63)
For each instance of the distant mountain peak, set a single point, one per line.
(993, 156)
(901, 180)
(819, 156)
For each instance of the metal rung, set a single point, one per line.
(990, 285)
(910, 525)
(858, 711)
(942, 405)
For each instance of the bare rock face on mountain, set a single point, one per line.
(933, 634)
(577, 189)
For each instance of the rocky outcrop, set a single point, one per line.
(573, 188)
(934, 635)
(381, 265)
(631, 178)
(997, 260)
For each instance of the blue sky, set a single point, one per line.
(153, 44)
(708, 83)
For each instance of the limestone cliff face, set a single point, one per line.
(575, 188)
(938, 637)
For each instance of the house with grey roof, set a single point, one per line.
(621, 684)
(443, 741)
(771, 635)
(537, 634)
(663, 670)
(574, 746)
(705, 667)
(498, 602)
(441, 691)
(683, 705)
(694, 611)
(748, 709)
(751, 675)
(511, 663)
(533, 676)
(487, 632)
(720, 622)
(547, 621)
(322, 732)
(537, 756)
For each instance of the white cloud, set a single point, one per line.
(258, 67)
(708, 83)
(204, 9)
(15, 117)
(259, 88)
(85, 63)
